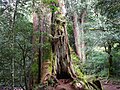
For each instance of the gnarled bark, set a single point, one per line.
(60, 48)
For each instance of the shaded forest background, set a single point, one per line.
(93, 32)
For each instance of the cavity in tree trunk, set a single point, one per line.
(60, 48)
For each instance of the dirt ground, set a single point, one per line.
(111, 85)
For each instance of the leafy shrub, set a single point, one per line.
(96, 64)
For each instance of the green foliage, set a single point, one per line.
(50, 1)
(77, 64)
(71, 34)
(53, 8)
(110, 8)
(116, 61)
(96, 64)
(52, 5)
(19, 48)
(34, 68)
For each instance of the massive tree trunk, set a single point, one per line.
(62, 66)
(61, 57)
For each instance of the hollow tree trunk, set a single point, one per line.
(62, 64)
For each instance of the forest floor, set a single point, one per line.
(111, 84)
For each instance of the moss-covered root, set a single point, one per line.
(68, 84)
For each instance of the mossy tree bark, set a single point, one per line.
(62, 64)
(35, 41)
(60, 49)
(46, 56)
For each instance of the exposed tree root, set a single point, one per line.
(51, 82)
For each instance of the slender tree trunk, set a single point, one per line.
(13, 43)
(109, 60)
(108, 50)
(82, 41)
(38, 39)
(77, 35)
(41, 24)
(24, 55)
(42, 42)
(35, 42)
(39, 64)
(24, 66)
